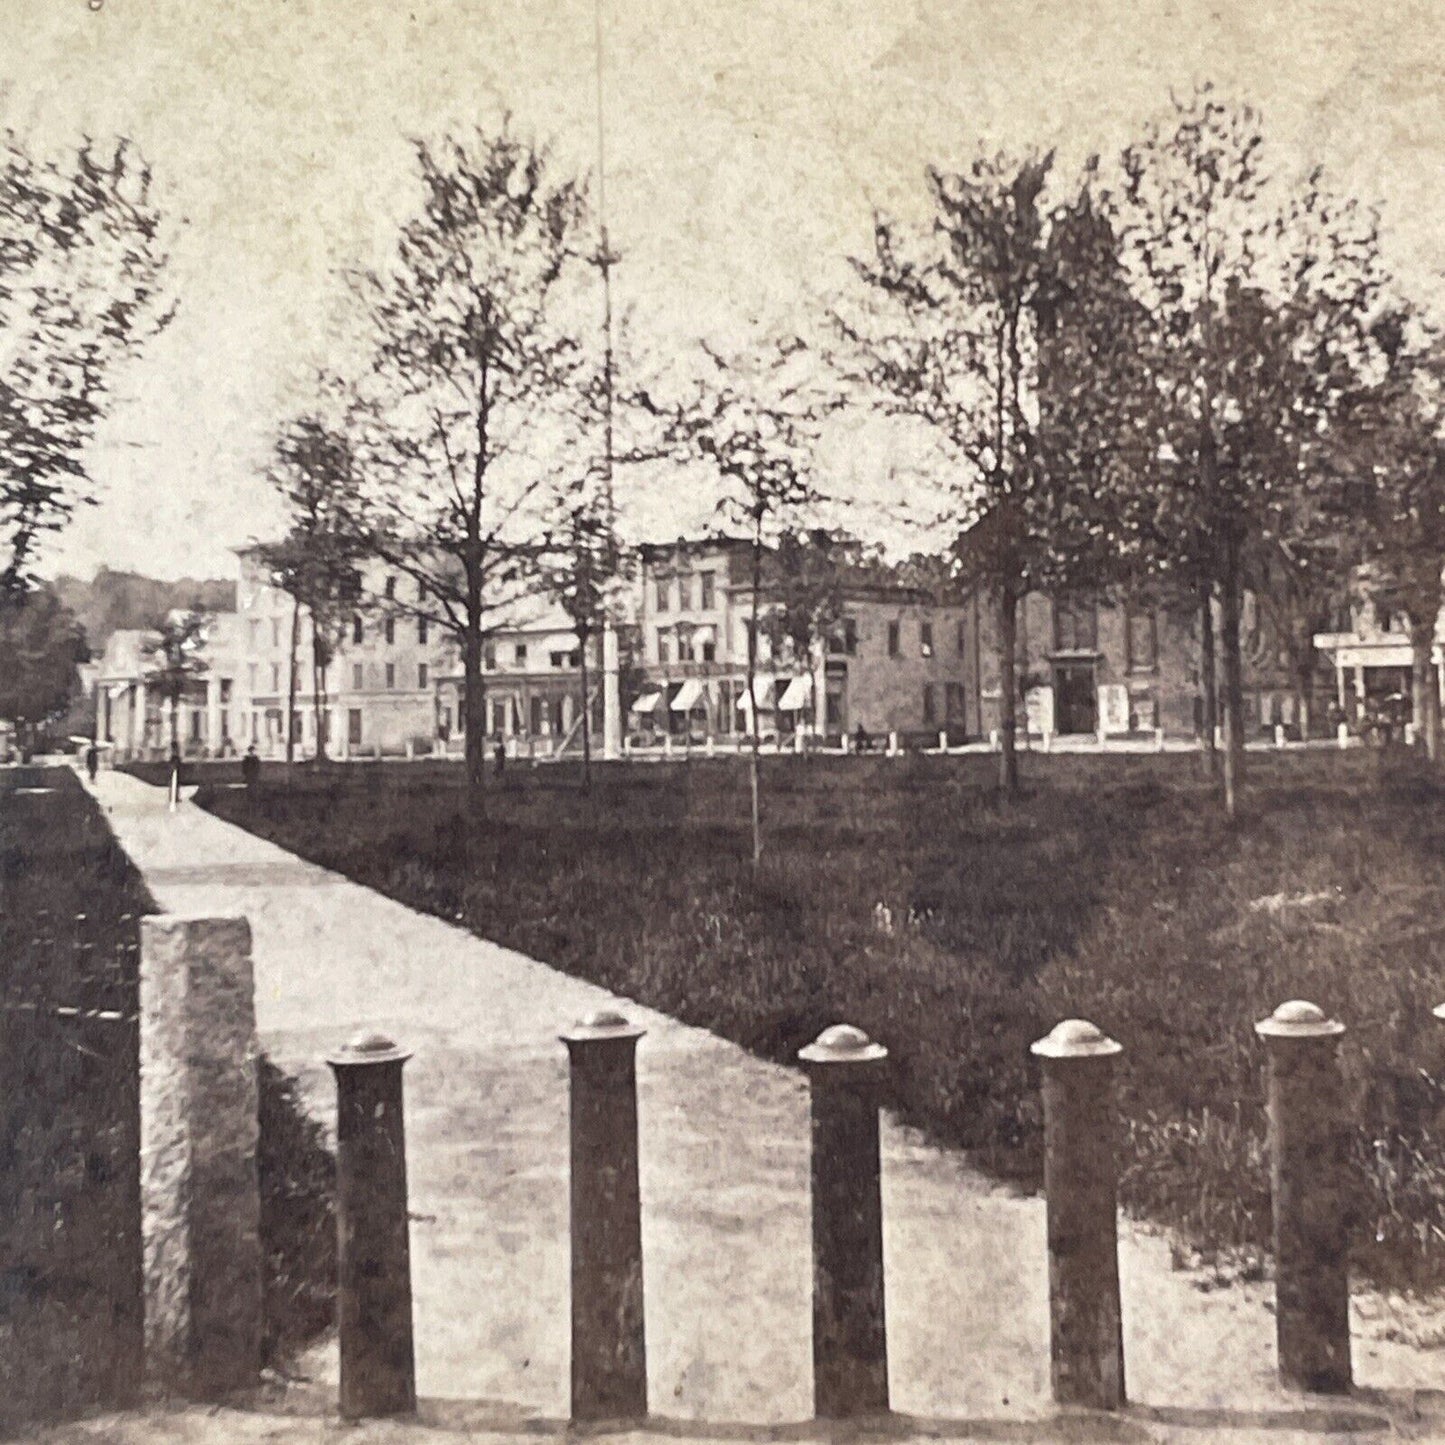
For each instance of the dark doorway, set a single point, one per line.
(1074, 702)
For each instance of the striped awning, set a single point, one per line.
(688, 696)
(647, 702)
(795, 696)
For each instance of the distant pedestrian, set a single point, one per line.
(499, 755)
(92, 761)
(861, 740)
(250, 767)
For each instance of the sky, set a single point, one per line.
(748, 142)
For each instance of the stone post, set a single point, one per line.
(1086, 1341)
(1308, 1184)
(1279, 735)
(373, 1257)
(200, 1200)
(850, 1342)
(1342, 735)
(609, 1342)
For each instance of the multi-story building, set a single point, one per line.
(898, 660)
(1111, 669)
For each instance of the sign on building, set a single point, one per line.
(1113, 708)
(1039, 710)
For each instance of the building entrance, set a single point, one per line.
(1075, 705)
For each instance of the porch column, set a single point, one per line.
(213, 715)
(1360, 682)
(1339, 682)
(138, 718)
(611, 695)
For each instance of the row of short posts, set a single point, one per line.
(846, 1071)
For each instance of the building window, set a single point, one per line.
(962, 638)
(353, 726)
(895, 638)
(489, 656)
(390, 589)
(499, 718)
(1076, 625)
(684, 594)
(275, 677)
(358, 678)
(388, 630)
(708, 599)
(421, 630)
(684, 646)
(559, 659)
(928, 708)
(664, 585)
(709, 652)
(538, 713)
(521, 654)
(251, 675)
(1141, 640)
(664, 648)
(358, 631)
(953, 702)
(925, 639)
(255, 632)
(275, 632)
(421, 674)
(391, 674)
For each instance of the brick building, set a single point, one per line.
(898, 661)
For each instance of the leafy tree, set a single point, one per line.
(955, 327)
(460, 421)
(1259, 297)
(175, 662)
(80, 269)
(41, 644)
(803, 579)
(318, 561)
(753, 417)
(1396, 436)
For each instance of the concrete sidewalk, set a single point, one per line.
(725, 1197)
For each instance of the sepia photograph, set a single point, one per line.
(722, 722)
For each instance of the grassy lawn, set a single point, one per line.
(70, 1275)
(905, 895)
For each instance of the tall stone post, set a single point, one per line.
(611, 694)
(373, 1257)
(609, 1342)
(200, 1199)
(1086, 1341)
(1308, 1183)
(850, 1340)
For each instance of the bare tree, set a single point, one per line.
(753, 417)
(467, 406)
(318, 561)
(80, 269)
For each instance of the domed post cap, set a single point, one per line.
(1439, 1011)
(843, 1044)
(368, 1047)
(1299, 1019)
(1075, 1039)
(602, 1025)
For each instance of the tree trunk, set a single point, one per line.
(753, 765)
(1208, 678)
(582, 639)
(291, 681)
(1427, 693)
(318, 693)
(1008, 631)
(1229, 623)
(474, 712)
